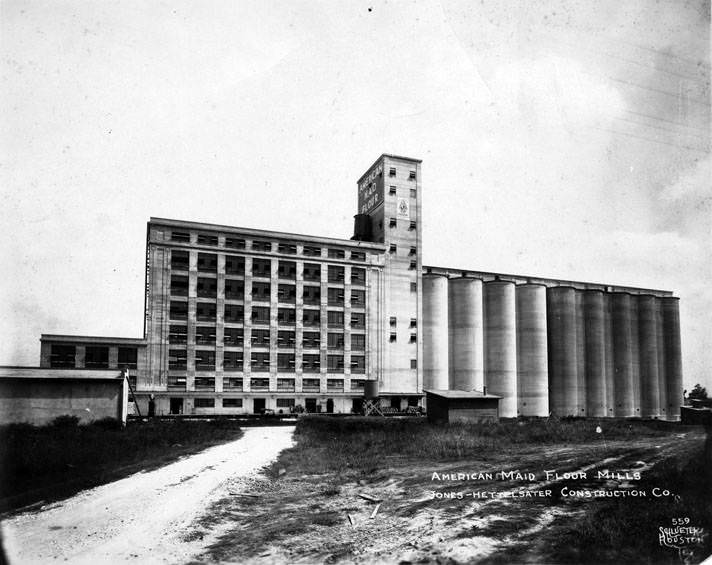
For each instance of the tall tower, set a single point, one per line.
(389, 212)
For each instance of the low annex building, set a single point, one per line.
(239, 320)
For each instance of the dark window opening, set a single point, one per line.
(336, 297)
(336, 254)
(233, 383)
(234, 289)
(205, 335)
(180, 260)
(335, 319)
(234, 337)
(312, 272)
(311, 340)
(206, 311)
(335, 363)
(182, 236)
(287, 293)
(358, 320)
(234, 265)
(261, 291)
(312, 294)
(311, 363)
(335, 341)
(287, 316)
(312, 251)
(260, 363)
(235, 242)
(334, 385)
(234, 313)
(358, 364)
(287, 248)
(358, 276)
(260, 338)
(285, 363)
(177, 358)
(207, 288)
(232, 402)
(204, 403)
(179, 285)
(358, 342)
(312, 318)
(207, 263)
(258, 245)
(62, 356)
(205, 239)
(233, 361)
(287, 270)
(205, 361)
(261, 268)
(204, 383)
(285, 338)
(336, 274)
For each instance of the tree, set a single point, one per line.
(699, 393)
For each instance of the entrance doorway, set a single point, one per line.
(396, 402)
(259, 405)
(329, 406)
(176, 406)
(357, 406)
(310, 405)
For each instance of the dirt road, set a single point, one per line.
(144, 517)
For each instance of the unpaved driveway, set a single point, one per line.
(144, 517)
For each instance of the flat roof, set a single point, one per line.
(138, 341)
(389, 156)
(9, 372)
(379, 247)
(460, 394)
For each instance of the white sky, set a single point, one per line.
(561, 139)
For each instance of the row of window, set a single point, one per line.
(234, 384)
(393, 222)
(265, 246)
(260, 361)
(235, 314)
(261, 291)
(95, 356)
(234, 265)
(234, 337)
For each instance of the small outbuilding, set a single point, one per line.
(445, 406)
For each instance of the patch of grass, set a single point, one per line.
(44, 462)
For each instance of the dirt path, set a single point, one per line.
(144, 517)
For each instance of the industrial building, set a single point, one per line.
(243, 320)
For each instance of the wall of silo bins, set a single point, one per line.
(580, 354)
(435, 332)
(673, 358)
(561, 337)
(622, 354)
(595, 353)
(610, 368)
(466, 334)
(532, 355)
(500, 337)
(662, 378)
(635, 353)
(648, 350)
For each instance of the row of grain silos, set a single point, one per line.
(558, 349)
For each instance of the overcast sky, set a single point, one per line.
(559, 139)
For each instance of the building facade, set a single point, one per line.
(242, 320)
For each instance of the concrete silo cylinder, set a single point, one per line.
(532, 357)
(501, 345)
(673, 356)
(563, 367)
(435, 332)
(648, 351)
(595, 363)
(466, 334)
(622, 354)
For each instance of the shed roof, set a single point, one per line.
(460, 394)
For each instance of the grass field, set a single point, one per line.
(48, 462)
(310, 509)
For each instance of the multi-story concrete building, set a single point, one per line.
(242, 320)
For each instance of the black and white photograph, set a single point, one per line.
(343, 282)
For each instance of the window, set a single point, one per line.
(336, 254)
(392, 248)
(234, 265)
(358, 342)
(177, 334)
(205, 239)
(287, 293)
(258, 245)
(411, 175)
(412, 265)
(414, 287)
(413, 338)
(393, 321)
(336, 297)
(204, 383)
(358, 320)
(259, 384)
(232, 402)
(358, 364)
(235, 242)
(205, 311)
(177, 358)
(234, 289)
(205, 335)
(336, 274)
(285, 338)
(179, 285)
(260, 362)
(334, 385)
(233, 337)
(358, 298)
(413, 323)
(392, 222)
(311, 363)
(413, 363)
(260, 314)
(312, 272)
(358, 384)
(180, 260)
(335, 319)
(358, 276)
(358, 256)
(182, 236)
(204, 403)
(392, 172)
(312, 294)
(62, 356)
(312, 318)
(128, 357)
(207, 263)
(204, 360)
(335, 363)
(287, 270)
(413, 193)
(411, 226)
(233, 383)
(335, 341)
(288, 248)
(261, 268)
(233, 361)
(96, 357)
(260, 338)
(285, 402)
(285, 364)
(234, 313)
(207, 288)
(393, 337)
(312, 251)
(178, 310)
(310, 385)
(412, 251)
(392, 190)
(311, 340)
(261, 291)
(287, 316)
(176, 382)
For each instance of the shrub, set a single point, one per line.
(65, 421)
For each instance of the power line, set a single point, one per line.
(652, 140)
(668, 121)
(660, 128)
